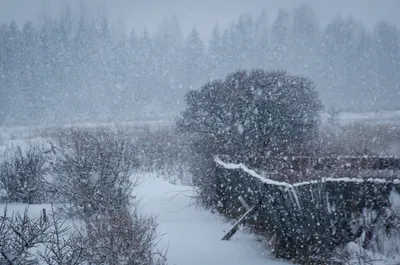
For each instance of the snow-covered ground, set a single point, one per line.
(193, 235)
(379, 117)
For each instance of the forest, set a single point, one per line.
(75, 68)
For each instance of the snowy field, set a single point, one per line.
(191, 235)
(381, 117)
(343, 118)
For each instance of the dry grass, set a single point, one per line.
(358, 150)
(360, 139)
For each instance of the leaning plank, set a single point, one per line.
(240, 221)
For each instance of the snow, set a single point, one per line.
(251, 173)
(359, 255)
(291, 186)
(383, 117)
(190, 234)
(193, 235)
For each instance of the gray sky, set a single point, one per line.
(202, 13)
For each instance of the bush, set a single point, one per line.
(123, 237)
(23, 175)
(249, 115)
(93, 171)
(94, 180)
(21, 235)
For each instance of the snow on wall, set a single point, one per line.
(288, 185)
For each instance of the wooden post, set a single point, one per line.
(240, 221)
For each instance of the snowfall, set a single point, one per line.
(190, 234)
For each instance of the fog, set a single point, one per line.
(124, 60)
(203, 14)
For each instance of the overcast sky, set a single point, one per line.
(202, 13)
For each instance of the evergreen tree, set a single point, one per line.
(74, 67)
(387, 61)
(280, 39)
(305, 37)
(214, 54)
(193, 60)
(261, 53)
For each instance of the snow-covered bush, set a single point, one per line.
(122, 237)
(44, 240)
(93, 171)
(247, 115)
(23, 174)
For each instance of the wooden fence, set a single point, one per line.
(309, 219)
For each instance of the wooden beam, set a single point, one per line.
(241, 220)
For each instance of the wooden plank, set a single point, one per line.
(240, 221)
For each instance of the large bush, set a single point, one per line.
(94, 180)
(249, 115)
(253, 112)
(92, 177)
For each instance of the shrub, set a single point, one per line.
(122, 237)
(23, 175)
(21, 235)
(260, 111)
(94, 180)
(93, 171)
(249, 115)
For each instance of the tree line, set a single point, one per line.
(74, 67)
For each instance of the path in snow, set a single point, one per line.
(192, 235)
